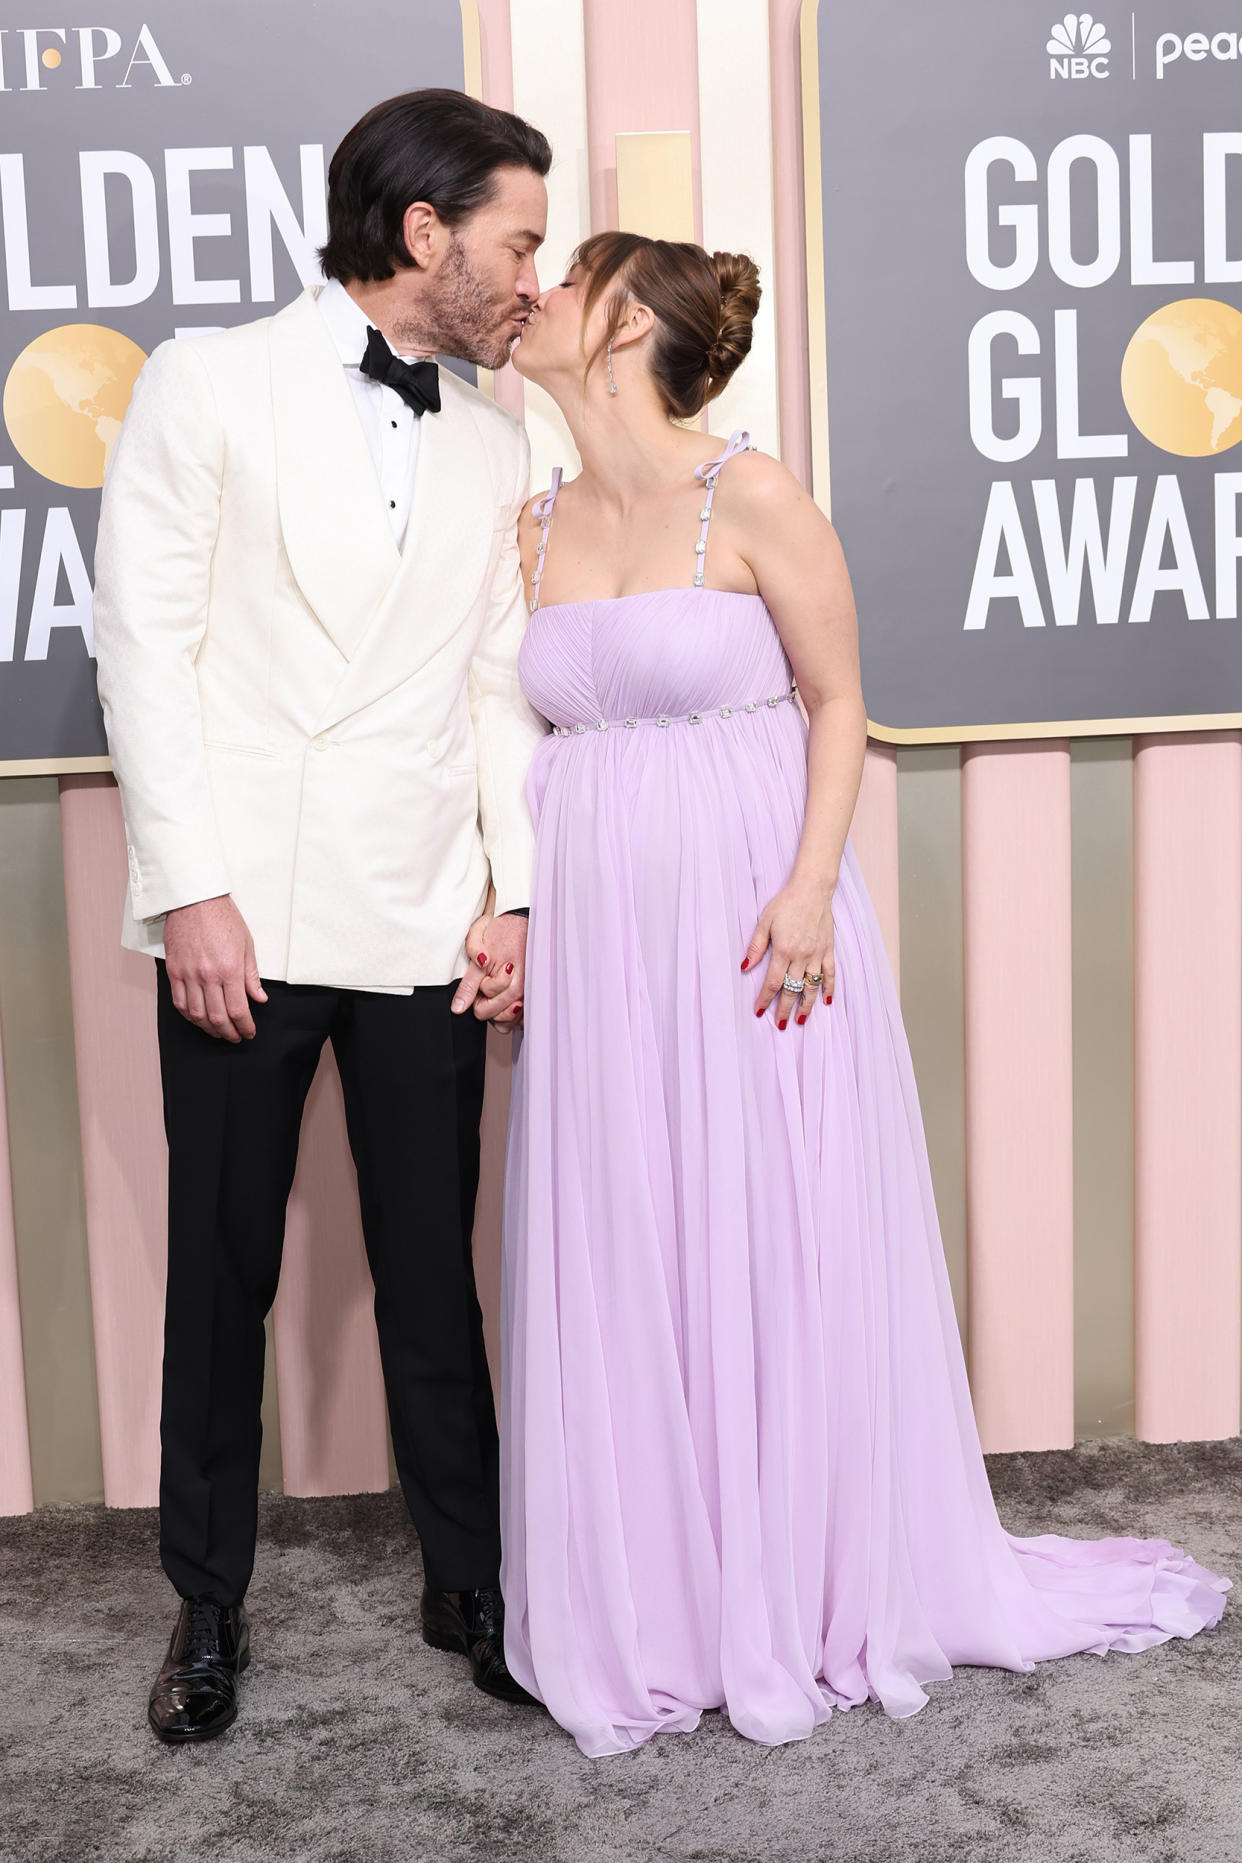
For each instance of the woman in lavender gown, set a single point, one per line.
(740, 1467)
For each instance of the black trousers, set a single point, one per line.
(412, 1075)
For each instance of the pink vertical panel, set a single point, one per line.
(789, 219)
(1188, 1083)
(124, 1160)
(497, 48)
(330, 1386)
(1019, 1092)
(495, 44)
(873, 835)
(642, 74)
(16, 1491)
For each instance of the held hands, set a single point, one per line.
(209, 956)
(797, 924)
(496, 948)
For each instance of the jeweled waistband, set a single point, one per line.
(631, 724)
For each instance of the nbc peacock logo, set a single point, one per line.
(1078, 47)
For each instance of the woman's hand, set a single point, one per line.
(797, 925)
(493, 984)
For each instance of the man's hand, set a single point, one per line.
(209, 954)
(494, 982)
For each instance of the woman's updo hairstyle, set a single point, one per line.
(704, 306)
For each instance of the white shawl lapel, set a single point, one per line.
(337, 534)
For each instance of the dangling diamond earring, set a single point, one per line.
(612, 380)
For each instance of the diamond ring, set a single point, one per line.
(795, 985)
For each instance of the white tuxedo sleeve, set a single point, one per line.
(157, 531)
(506, 729)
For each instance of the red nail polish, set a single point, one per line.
(801, 1020)
(508, 970)
(745, 963)
(784, 1024)
(758, 1012)
(481, 960)
(828, 999)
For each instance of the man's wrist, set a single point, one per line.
(188, 905)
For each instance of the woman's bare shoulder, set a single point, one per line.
(755, 484)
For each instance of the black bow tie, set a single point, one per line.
(418, 383)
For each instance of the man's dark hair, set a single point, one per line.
(437, 146)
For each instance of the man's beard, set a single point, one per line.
(460, 319)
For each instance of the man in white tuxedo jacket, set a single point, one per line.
(308, 610)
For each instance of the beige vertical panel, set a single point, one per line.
(472, 48)
(929, 826)
(813, 198)
(45, 1154)
(270, 1475)
(550, 91)
(16, 1494)
(735, 141)
(655, 183)
(487, 1215)
(1101, 824)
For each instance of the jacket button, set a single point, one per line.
(319, 743)
(433, 746)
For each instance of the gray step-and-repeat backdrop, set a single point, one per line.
(1032, 239)
(160, 171)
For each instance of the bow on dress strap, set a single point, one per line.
(542, 507)
(738, 443)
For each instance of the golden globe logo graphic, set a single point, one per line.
(65, 399)
(1078, 47)
(97, 57)
(1181, 377)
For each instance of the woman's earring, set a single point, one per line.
(612, 380)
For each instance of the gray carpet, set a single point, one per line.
(357, 1742)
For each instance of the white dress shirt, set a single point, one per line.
(391, 428)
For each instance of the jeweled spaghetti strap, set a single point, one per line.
(543, 508)
(739, 442)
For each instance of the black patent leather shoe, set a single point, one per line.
(473, 1623)
(194, 1696)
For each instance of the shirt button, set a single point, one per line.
(394, 423)
(392, 504)
(433, 745)
(319, 743)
